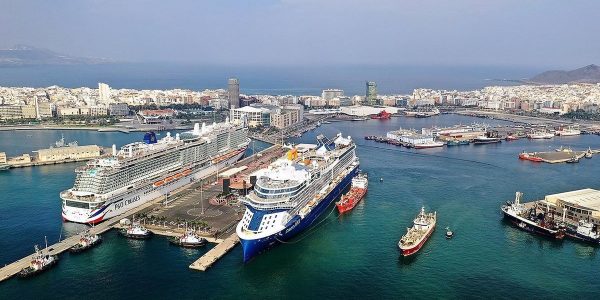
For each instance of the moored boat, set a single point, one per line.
(418, 234)
(531, 221)
(432, 144)
(383, 115)
(358, 190)
(40, 262)
(530, 156)
(511, 137)
(188, 240)
(136, 231)
(585, 231)
(86, 241)
(482, 139)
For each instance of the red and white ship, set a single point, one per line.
(416, 236)
(356, 193)
(530, 156)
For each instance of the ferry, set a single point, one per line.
(142, 171)
(358, 190)
(530, 221)
(418, 234)
(293, 191)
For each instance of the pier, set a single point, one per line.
(214, 254)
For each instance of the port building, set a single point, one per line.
(71, 152)
(579, 204)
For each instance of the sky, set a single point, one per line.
(540, 33)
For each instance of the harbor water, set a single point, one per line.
(352, 256)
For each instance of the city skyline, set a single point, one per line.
(548, 34)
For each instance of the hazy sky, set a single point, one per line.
(552, 33)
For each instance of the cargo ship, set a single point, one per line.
(293, 191)
(418, 234)
(429, 144)
(142, 171)
(538, 135)
(530, 156)
(530, 221)
(356, 193)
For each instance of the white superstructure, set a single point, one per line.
(143, 171)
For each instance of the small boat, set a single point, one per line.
(39, 263)
(356, 193)
(381, 179)
(564, 149)
(136, 231)
(573, 160)
(86, 241)
(4, 167)
(589, 153)
(511, 137)
(418, 234)
(449, 233)
(481, 140)
(188, 240)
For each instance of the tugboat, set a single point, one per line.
(356, 193)
(449, 233)
(188, 240)
(416, 236)
(528, 220)
(86, 241)
(573, 160)
(589, 153)
(39, 263)
(585, 232)
(136, 231)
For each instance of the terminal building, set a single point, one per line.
(70, 152)
(580, 204)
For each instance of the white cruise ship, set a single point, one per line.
(291, 193)
(143, 171)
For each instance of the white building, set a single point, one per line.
(329, 94)
(103, 92)
(255, 115)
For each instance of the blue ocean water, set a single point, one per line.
(282, 80)
(350, 256)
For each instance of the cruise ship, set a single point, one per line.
(293, 191)
(143, 171)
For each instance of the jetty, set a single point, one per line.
(214, 254)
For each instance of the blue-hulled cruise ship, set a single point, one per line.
(292, 192)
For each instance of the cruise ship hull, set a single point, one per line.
(252, 247)
(142, 195)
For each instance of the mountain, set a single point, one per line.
(587, 74)
(21, 55)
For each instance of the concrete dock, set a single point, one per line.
(12, 269)
(210, 257)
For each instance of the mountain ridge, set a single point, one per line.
(24, 55)
(587, 74)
